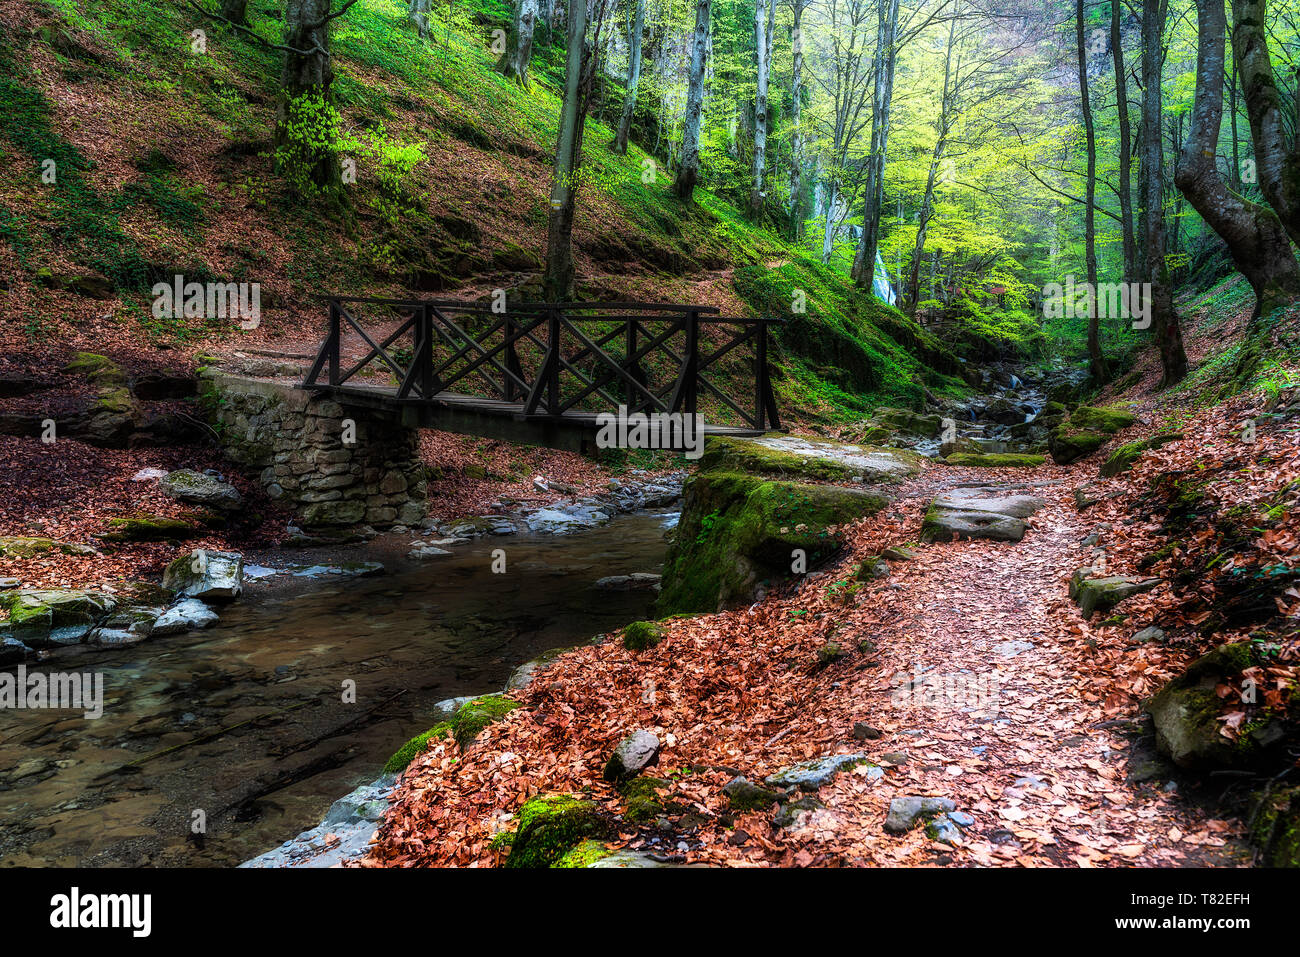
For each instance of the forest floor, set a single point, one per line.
(1050, 760)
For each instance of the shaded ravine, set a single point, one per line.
(254, 708)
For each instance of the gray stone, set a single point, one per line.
(188, 615)
(633, 755)
(744, 795)
(216, 576)
(811, 775)
(522, 676)
(906, 812)
(12, 651)
(200, 489)
(1150, 633)
(1102, 594)
(787, 815)
(1010, 649)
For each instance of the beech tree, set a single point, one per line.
(1096, 365)
(519, 44)
(1169, 337)
(688, 171)
(764, 19)
(1256, 240)
(633, 79)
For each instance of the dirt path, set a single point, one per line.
(1004, 722)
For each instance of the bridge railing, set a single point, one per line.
(553, 359)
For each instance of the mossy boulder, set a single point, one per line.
(927, 425)
(641, 635)
(49, 618)
(473, 717)
(552, 825)
(871, 568)
(17, 546)
(1186, 714)
(724, 454)
(744, 795)
(1109, 421)
(148, 528)
(995, 460)
(1087, 429)
(737, 530)
(206, 574)
(98, 369)
(644, 803)
(1122, 459)
(1102, 593)
(415, 747)
(199, 488)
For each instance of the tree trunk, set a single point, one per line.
(236, 11)
(633, 80)
(1256, 240)
(519, 45)
(557, 280)
(1168, 335)
(864, 260)
(764, 12)
(927, 204)
(828, 234)
(1096, 363)
(1125, 146)
(796, 115)
(688, 172)
(307, 75)
(1277, 167)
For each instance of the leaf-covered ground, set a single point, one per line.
(1044, 768)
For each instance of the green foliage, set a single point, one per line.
(309, 136)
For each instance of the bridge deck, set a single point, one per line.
(490, 418)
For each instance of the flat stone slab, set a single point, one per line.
(873, 464)
(993, 513)
(343, 835)
(906, 812)
(811, 775)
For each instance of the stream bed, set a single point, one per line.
(254, 706)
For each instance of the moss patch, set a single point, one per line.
(476, 715)
(641, 635)
(550, 826)
(415, 747)
(995, 459)
(584, 854)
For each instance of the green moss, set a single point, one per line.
(1100, 420)
(148, 528)
(1275, 827)
(414, 748)
(1122, 459)
(643, 801)
(584, 854)
(756, 527)
(1068, 445)
(476, 715)
(829, 653)
(995, 459)
(97, 368)
(641, 635)
(550, 826)
(737, 455)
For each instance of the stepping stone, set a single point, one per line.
(906, 812)
(810, 775)
(1102, 594)
(1009, 649)
(988, 512)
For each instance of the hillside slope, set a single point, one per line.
(162, 160)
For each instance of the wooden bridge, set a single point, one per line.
(541, 373)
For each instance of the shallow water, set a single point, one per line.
(267, 685)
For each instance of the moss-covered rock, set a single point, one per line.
(737, 530)
(1122, 459)
(1087, 429)
(1186, 714)
(995, 460)
(722, 454)
(871, 568)
(415, 747)
(99, 369)
(1109, 421)
(478, 714)
(1068, 445)
(1094, 594)
(48, 617)
(644, 803)
(552, 825)
(584, 855)
(927, 425)
(148, 528)
(17, 546)
(745, 796)
(641, 635)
